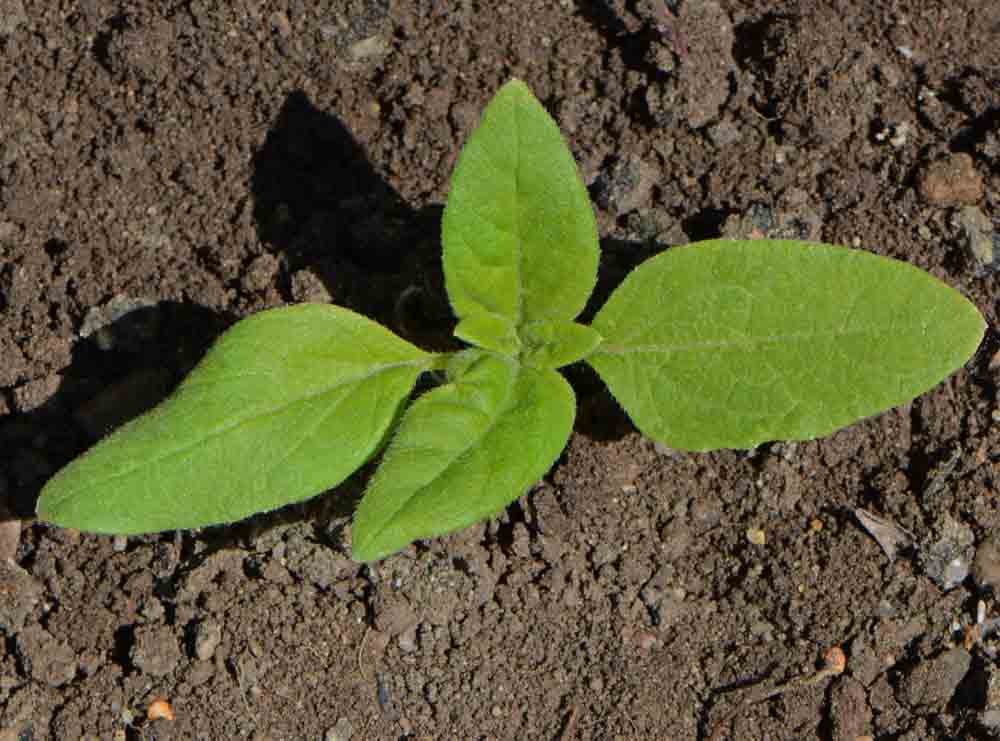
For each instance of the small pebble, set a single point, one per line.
(160, 709)
(343, 731)
(207, 639)
(646, 640)
(408, 640)
(756, 536)
(625, 185)
(281, 24)
(369, 48)
(900, 136)
(724, 134)
(948, 559)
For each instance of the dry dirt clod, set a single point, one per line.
(935, 680)
(342, 731)
(14, 15)
(47, 659)
(951, 181)
(850, 712)
(948, 557)
(986, 565)
(207, 639)
(155, 651)
(19, 593)
(626, 185)
(10, 535)
(982, 241)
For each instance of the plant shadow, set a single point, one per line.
(320, 206)
(132, 359)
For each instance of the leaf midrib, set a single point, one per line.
(622, 348)
(508, 402)
(519, 319)
(243, 421)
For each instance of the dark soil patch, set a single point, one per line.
(169, 167)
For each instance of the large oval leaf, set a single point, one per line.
(519, 234)
(287, 404)
(463, 452)
(730, 344)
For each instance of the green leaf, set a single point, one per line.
(490, 332)
(519, 234)
(464, 451)
(730, 344)
(553, 344)
(286, 404)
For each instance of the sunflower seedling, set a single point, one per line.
(720, 344)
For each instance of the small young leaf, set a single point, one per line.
(553, 344)
(286, 404)
(519, 234)
(731, 344)
(463, 452)
(490, 332)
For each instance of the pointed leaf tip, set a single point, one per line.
(464, 451)
(287, 404)
(775, 340)
(519, 234)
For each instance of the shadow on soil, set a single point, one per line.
(323, 209)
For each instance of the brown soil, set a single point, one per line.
(169, 167)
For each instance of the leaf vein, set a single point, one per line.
(222, 430)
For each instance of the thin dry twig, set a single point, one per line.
(834, 663)
(243, 694)
(361, 648)
(570, 728)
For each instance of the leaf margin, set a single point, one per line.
(65, 495)
(602, 359)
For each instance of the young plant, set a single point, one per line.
(722, 344)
